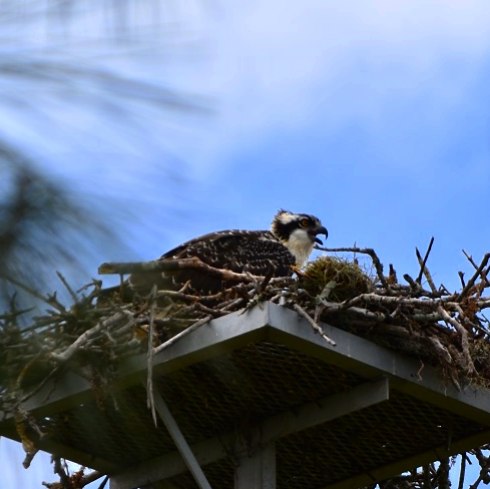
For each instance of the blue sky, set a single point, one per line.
(375, 116)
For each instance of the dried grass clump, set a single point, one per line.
(335, 279)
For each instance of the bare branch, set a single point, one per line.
(315, 326)
(473, 279)
(462, 471)
(68, 288)
(464, 337)
(120, 318)
(186, 331)
(150, 352)
(423, 261)
(424, 269)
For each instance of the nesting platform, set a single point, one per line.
(258, 400)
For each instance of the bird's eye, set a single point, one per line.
(304, 223)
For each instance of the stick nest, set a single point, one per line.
(102, 328)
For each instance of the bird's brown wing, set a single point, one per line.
(255, 252)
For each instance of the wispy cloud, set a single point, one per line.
(281, 65)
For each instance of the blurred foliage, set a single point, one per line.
(41, 226)
(84, 78)
(66, 64)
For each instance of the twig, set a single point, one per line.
(423, 267)
(186, 331)
(421, 302)
(174, 294)
(58, 468)
(441, 350)
(461, 279)
(80, 482)
(68, 288)
(473, 324)
(85, 337)
(366, 251)
(414, 285)
(336, 307)
(484, 282)
(472, 280)
(470, 259)
(443, 474)
(423, 261)
(232, 305)
(49, 299)
(470, 367)
(392, 278)
(26, 463)
(150, 400)
(315, 326)
(462, 471)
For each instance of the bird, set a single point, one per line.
(277, 252)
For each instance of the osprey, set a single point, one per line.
(278, 252)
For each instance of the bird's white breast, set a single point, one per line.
(300, 245)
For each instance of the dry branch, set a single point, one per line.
(423, 261)
(367, 251)
(122, 318)
(180, 335)
(474, 278)
(463, 334)
(150, 398)
(423, 267)
(316, 327)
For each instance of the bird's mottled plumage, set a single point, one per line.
(275, 252)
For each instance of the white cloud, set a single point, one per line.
(277, 64)
(270, 66)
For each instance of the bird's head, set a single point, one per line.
(298, 232)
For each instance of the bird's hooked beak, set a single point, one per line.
(320, 230)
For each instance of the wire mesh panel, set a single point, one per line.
(239, 385)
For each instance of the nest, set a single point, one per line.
(445, 329)
(335, 279)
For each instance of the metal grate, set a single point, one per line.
(239, 389)
(365, 440)
(352, 445)
(210, 398)
(243, 387)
